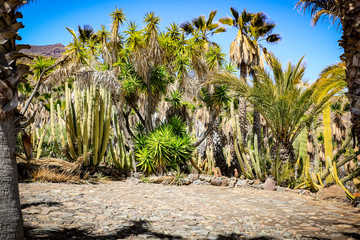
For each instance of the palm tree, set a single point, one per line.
(245, 52)
(201, 29)
(279, 96)
(86, 33)
(346, 12)
(11, 223)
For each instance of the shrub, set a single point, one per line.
(167, 147)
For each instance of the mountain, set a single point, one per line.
(54, 50)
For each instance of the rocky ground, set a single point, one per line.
(132, 209)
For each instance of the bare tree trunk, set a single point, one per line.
(11, 222)
(243, 111)
(350, 42)
(218, 151)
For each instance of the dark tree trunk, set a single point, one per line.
(219, 158)
(286, 153)
(351, 43)
(11, 223)
(242, 110)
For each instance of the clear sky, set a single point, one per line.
(45, 23)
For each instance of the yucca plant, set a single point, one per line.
(167, 146)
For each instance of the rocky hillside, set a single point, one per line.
(54, 50)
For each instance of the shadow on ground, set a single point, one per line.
(49, 204)
(132, 231)
(136, 228)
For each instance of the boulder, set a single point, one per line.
(331, 192)
(269, 184)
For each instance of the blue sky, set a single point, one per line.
(45, 23)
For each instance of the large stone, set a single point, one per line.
(332, 192)
(216, 182)
(193, 177)
(270, 184)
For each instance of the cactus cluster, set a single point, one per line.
(121, 159)
(251, 161)
(87, 118)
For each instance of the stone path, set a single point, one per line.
(135, 210)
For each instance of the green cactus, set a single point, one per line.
(121, 159)
(61, 127)
(236, 142)
(300, 149)
(41, 140)
(87, 118)
(52, 124)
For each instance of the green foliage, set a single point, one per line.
(175, 99)
(167, 146)
(218, 98)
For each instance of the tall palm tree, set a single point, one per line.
(11, 223)
(346, 12)
(245, 52)
(279, 96)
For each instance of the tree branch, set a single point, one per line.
(37, 86)
(208, 130)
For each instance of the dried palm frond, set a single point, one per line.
(45, 174)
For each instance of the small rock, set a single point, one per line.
(241, 183)
(193, 177)
(197, 182)
(186, 182)
(216, 182)
(232, 182)
(270, 184)
(225, 182)
(202, 177)
(208, 179)
(205, 183)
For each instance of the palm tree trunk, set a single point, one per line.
(256, 116)
(218, 152)
(243, 111)
(351, 43)
(11, 223)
